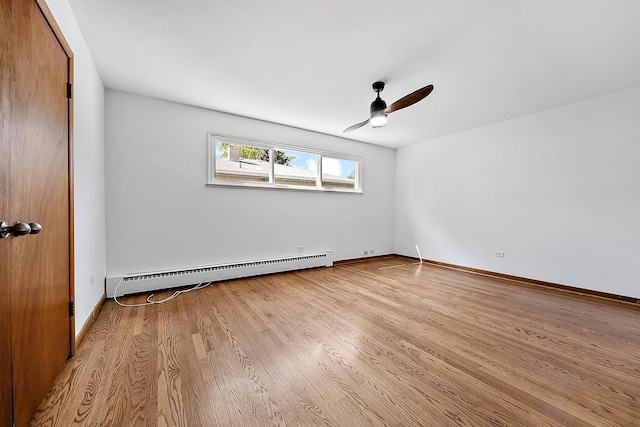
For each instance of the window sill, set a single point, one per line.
(269, 186)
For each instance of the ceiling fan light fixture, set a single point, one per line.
(378, 119)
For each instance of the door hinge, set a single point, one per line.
(72, 309)
(69, 90)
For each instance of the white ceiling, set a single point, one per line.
(311, 63)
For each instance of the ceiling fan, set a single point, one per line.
(379, 109)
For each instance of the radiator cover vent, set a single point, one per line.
(157, 280)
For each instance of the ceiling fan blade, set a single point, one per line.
(410, 99)
(356, 126)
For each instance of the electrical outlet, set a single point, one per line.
(300, 248)
(366, 253)
(92, 279)
(371, 252)
(499, 254)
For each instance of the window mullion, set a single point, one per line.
(319, 176)
(272, 155)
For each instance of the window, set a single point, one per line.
(299, 168)
(241, 162)
(339, 173)
(245, 163)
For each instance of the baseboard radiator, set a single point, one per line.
(157, 280)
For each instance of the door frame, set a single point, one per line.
(48, 16)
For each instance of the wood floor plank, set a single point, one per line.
(386, 342)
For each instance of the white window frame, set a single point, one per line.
(212, 181)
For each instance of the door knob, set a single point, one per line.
(17, 229)
(35, 228)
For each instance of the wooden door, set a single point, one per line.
(38, 266)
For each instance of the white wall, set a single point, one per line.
(160, 214)
(557, 191)
(89, 180)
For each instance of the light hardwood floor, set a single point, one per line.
(379, 343)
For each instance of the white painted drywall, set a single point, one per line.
(160, 214)
(89, 176)
(557, 191)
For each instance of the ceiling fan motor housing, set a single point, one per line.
(378, 105)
